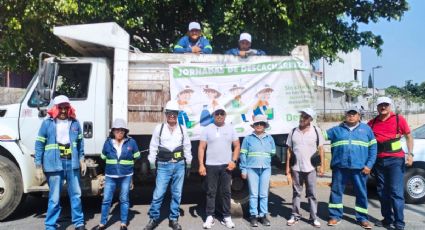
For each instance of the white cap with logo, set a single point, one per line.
(194, 26)
(245, 36)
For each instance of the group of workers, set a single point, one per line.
(356, 147)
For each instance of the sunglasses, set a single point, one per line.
(220, 113)
(63, 107)
(261, 123)
(171, 114)
(351, 113)
(384, 105)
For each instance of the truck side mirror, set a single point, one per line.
(50, 70)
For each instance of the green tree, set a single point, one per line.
(351, 89)
(326, 26)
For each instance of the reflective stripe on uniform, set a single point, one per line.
(353, 142)
(372, 142)
(122, 162)
(41, 139)
(338, 143)
(126, 162)
(111, 161)
(396, 145)
(325, 135)
(102, 156)
(51, 146)
(177, 46)
(335, 205)
(361, 143)
(244, 151)
(258, 154)
(80, 136)
(361, 210)
(136, 154)
(208, 47)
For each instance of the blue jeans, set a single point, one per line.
(55, 181)
(258, 182)
(166, 172)
(108, 194)
(340, 176)
(390, 187)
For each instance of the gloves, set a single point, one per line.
(39, 174)
(83, 167)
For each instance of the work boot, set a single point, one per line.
(365, 224)
(333, 222)
(151, 225)
(264, 221)
(383, 223)
(253, 221)
(293, 220)
(174, 225)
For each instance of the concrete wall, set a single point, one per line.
(10, 95)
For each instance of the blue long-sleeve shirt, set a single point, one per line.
(256, 152)
(185, 45)
(353, 149)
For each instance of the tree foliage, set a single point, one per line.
(326, 26)
(413, 92)
(352, 89)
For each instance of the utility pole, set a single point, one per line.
(373, 89)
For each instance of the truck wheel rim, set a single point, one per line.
(2, 187)
(416, 186)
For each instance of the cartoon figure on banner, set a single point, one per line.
(183, 99)
(213, 94)
(236, 92)
(262, 106)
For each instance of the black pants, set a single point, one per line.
(218, 181)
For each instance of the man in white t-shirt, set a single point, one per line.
(218, 165)
(303, 141)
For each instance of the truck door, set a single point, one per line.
(74, 81)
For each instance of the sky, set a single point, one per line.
(403, 56)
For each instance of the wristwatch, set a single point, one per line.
(235, 161)
(411, 154)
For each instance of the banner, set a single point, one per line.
(276, 89)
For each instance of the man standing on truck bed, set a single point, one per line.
(169, 155)
(353, 148)
(388, 128)
(244, 49)
(193, 42)
(59, 152)
(218, 166)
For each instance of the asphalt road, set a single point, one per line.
(32, 213)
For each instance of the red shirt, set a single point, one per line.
(386, 130)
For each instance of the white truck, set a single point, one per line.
(110, 80)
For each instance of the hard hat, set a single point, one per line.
(172, 106)
(260, 118)
(60, 100)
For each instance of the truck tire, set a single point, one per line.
(11, 189)
(414, 185)
(240, 195)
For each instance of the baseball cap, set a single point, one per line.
(219, 108)
(309, 111)
(353, 109)
(245, 36)
(381, 100)
(194, 26)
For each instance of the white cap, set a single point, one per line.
(119, 123)
(260, 118)
(220, 107)
(172, 106)
(309, 111)
(194, 26)
(381, 100)
(245, 36)
(60, 100)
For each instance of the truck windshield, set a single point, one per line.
(72, 81)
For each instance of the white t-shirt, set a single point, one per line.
(117, 147)
(219, 143)
(62, 131)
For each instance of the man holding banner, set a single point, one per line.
(218, 165)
